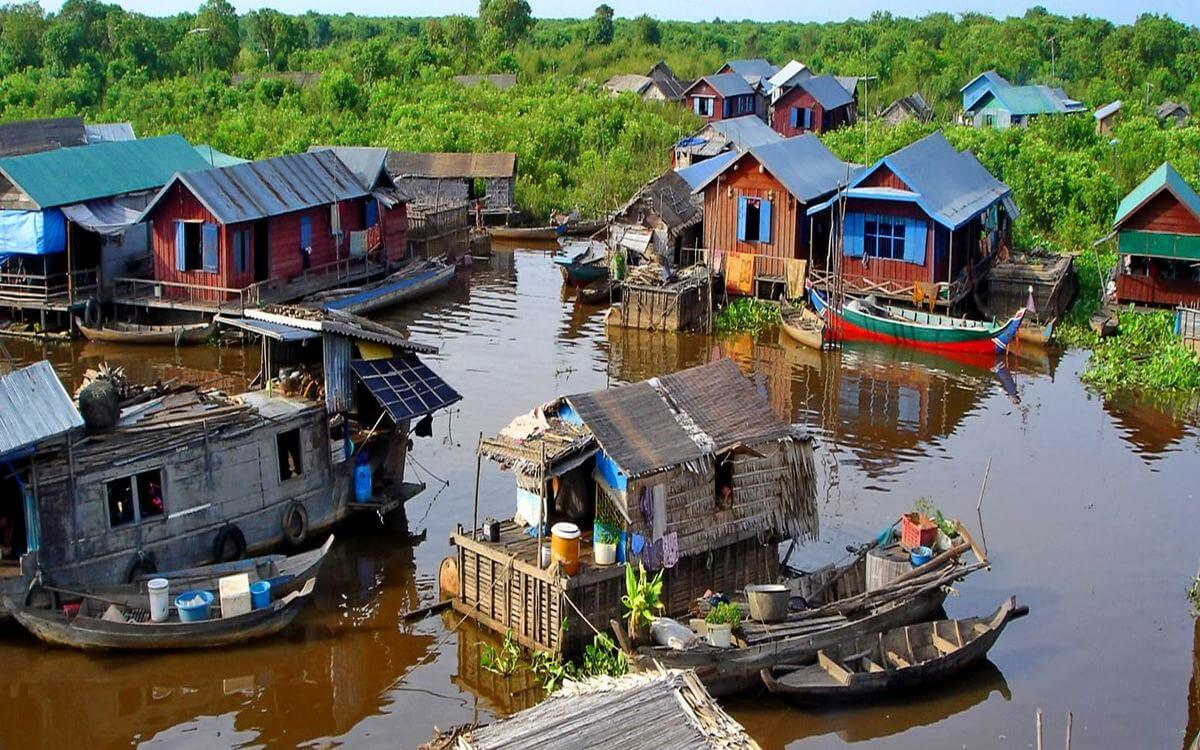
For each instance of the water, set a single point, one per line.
(1088, 518)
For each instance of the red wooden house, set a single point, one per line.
(924, 222)
(813, 105)
(217, 232)
(720, 97)
(1158, 242)
(755, 202)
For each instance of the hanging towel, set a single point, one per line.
(925, 292)
(658, 524)
(717, 261)
(647, 503)
(670, 550)
(739, 273)
(794, 271)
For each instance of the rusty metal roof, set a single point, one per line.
(32, 136)
(447, 165)
(34, 406)
(271, 187)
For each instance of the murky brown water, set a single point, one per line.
(1089, 518)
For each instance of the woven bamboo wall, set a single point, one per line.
(509, 596)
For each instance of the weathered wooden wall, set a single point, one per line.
(746, 178)
(1163, 213)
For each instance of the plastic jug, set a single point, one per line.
(160, 598)
(362, 482)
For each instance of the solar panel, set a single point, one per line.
(405, 386)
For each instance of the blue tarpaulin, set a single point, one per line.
(32, 232)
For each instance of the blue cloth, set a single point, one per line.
(32, 232)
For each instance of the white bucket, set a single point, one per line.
(160, 598)
(720, 634)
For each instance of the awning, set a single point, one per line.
(34, 407)
(108, 216)
(405, 386)
(268, 328)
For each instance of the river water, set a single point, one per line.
(1089, 518)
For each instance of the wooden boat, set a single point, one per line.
(599, 292)
(1038, 335)
(894, 661)
(575, 229)
(115, 332)
(803, 325)
(730, 671)
(1103, 322)
(581, 267)
(413, 281)
(864, 320)
(100, 624)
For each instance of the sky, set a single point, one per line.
(1119, 11)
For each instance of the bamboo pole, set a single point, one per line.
(1039, 729)
(475, 504)
(1069, 717)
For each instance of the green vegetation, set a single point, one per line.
(1146, 355)
(503, 661)
(642, 599)
(600, 657)
(747, 315)
(724, 613)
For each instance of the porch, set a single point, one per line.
(58, 292)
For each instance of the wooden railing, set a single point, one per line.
(32, 287)
(201, 295)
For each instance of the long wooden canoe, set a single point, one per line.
(865, 321)
(115, 332)
(1039, 334)
(599, 292)
(803, 325)
(409, 283)
(582, 263)
(896, 661)
(576, 229)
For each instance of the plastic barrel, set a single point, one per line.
(160, 598)
(564, 546)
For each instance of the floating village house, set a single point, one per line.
(644, 87)
(266, 231)
(990, 101)
(1106, 117)
(922, 224)
(1158, 242)
(663, 217)
(692, 471)
(787, 77)
(667, 81)
(911, 107)
(721, 136)
(756, 71)
(724, 96)
(186, 477)
(440, 179)
(1173, 113)
(816, 104)
(70, 222)
(755, 203)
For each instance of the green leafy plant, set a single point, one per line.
(503, 661)
(643, 597)
(551, 670)
(747, 315)
(724, 613)
(607, 535)
(600, 657)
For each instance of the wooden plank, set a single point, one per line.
(871, 665)
(897, 661)
(833, 669)
(943, 645)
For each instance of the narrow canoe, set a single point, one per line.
(863, 321)
(405, 285)
(804, 326)
(577, 229)
(599, 292)
(116, 332)
(584, 266)
(1039, 335)
(893, 662)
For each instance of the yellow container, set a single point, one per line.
(564, 546)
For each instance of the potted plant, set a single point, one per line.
(643, 602)
(947, 535)
(721, 621)
(604, 545)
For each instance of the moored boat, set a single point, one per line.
(803, 325)
(867, 321)
(411, 282)
(598, 292)
(583, 263)
(1039, 335)
(115, 332)
(877, 664)
(573, 229)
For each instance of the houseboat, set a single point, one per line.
(690, 473)
(1157, 228)
(990, 101)
(187, 477)
(923, 225)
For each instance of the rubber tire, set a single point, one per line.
(295, 524)
(143, 564)
(221, 543)
(91, 312)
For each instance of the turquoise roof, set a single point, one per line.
(100, 170)
(215, 158)
(1163, 178)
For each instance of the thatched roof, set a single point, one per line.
(668, 199)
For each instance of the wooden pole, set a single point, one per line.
(70, 270)
(983, 489)
(1069, 717)
(1039, 729)
(475, 505)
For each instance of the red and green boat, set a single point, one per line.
(864, 320)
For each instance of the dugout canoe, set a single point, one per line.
(412, 282)
(803, 325)
(115, 332)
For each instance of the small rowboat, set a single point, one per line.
(804, 325)
(116, 332)
(894, 661)
(581, 267)
(414, 281)
(1039, 335)
(864, 320)
(575, 229)
(598, 292)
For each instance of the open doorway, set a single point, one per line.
(262, 251)
(13, 542)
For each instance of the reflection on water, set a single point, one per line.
(891, 425)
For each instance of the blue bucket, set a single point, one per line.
(193, 606)
(260, 594)
(920, 556)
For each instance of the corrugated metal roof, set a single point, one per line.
(788, 74)
(827, 91)
(746, 131)
(727, 84)
(34, 406)
(271, 187)
(268, 328)
(1168, 108)
(33, 136)
(368, 163)
(701, 173)
(1163, 178)
(214, 158)
(100, 170)
(341, 323)
(501, 81)
(623, 82)
(104, 132)
(802, 164)
(850, 83)
(447, 165)
(753, 68)
(1108, 109)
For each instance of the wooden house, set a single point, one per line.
(911, 107)
(269, 231)
(1158, 242)
(755, 204)
(643, 87)
(816, 104)
(1106, 117)
(69, 219)
(1172, 113)
(721, 136)
(990, 101)
(692, 471)
(662, 218)
(756, 71)
(922, 223)
(442, 179)
(786, 78)
(667, 81)
(724, 96)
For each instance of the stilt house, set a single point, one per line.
(692, 472)
(1158, 242)
(816, 104)
(724, 96)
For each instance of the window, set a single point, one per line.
(754, 219)
(702, 105)
(306, 241)
(802, 117)
(883, 237)
(196, 246)
(724, 481)
(288, 446)
(135, 499)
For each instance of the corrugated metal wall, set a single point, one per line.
(339, 379)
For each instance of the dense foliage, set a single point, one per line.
(1145, 356)
(747, 315)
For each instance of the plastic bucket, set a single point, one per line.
(160, 598)
(193, 606)
(564, 546)
(260, 594)
(920, 555)
(768, 601)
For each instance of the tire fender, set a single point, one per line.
(229, 544)
(295, 523)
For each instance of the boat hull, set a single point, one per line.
(192, 334)
(392, 292)
(804, 327)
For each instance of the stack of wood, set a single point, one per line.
(302, 382)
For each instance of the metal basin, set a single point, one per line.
(768, 601)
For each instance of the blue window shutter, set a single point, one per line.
(914, 241)
(180, 247)
(725, 107)
(852, 236)
(372, 213)
(764, 220)
(807, 118)
(795, 117)
(305, 232)
(209, 245)
(741, 219)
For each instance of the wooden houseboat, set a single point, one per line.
(723, 96)
(754, 210)
(270, 231)
(693, 471)
(923, 224)
(662, 218)
(1157, 227)
(69, 222)
(816, 104)
(485, 180)
(186, 477)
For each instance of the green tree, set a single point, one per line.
(21, 29)
(600, 29)
(507, 21)
(647, 31)
(274, 36)
(212, 41)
